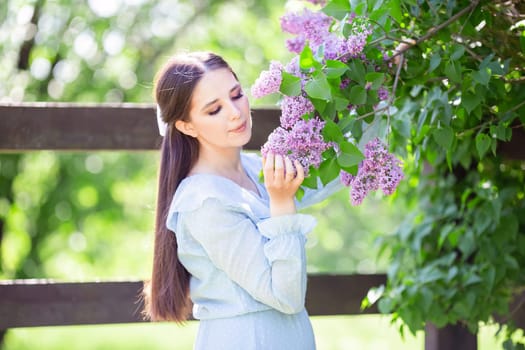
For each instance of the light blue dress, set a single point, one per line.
(248, 270)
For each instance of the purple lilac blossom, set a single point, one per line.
(296, 45)
(293, 108)
(346, 178)
(382, 93)
(303, 142)
(313, 26)
(379, 170)
(356, 43)
(344, 83)
(293, 66)
(269, 81)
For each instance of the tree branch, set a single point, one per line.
(433, 31)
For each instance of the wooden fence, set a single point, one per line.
(32, 303)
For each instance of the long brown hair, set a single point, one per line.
(166, 295)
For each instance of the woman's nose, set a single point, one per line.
(235, 111)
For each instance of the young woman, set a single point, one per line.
(225, 242)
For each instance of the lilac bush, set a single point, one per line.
(336, 86)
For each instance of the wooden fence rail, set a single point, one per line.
(33, 303)
(72, 127)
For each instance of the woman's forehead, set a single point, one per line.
(214, 84)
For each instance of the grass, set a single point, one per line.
(368, 332)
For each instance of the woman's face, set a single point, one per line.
(220, 112)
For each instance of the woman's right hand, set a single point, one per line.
(282, 181)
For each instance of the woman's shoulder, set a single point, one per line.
(194, 190)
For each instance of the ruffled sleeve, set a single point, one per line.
(265, 258)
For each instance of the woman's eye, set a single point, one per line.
(215, 111)
(238, 96)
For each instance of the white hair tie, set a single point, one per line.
(163, 126)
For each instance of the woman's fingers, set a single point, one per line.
(300, 171)
(289, 169)
(268, 166)
(279, 168)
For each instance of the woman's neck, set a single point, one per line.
(225, 163)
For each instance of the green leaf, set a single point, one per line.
(337, 8)
(350, 155)
(481, 76)
(332, 132)
(470, 101)
(482, 144)
(431, 274)
(290, 85)
(402, 126)
(453, 71)
(467, 244)
(444, 137)
(444, 234)
(299, 194)
(318, 87)
(459, 50)
(329, 170)
(357, 95)
(499, 131)
(377, 79)
(357, 71)
(360, 8)
(320, 105)
(311, 180)
(335, 68)
(341, 103)
(385, 305)
(395, 10)
(435, 60)
(471, 279)
(306, 59)
(512, 262)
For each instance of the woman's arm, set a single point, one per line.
(266, 259)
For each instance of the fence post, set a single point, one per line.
(451, 337)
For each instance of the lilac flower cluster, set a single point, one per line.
(303, 142)
(314, 28)
(379, 170)
(293, 108)
(269, 81)
(299, 135)
(308, 26)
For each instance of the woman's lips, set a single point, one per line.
(241, 128)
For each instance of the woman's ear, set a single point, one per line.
(186, 128)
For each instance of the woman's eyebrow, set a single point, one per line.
(238, 85)
(209, 104)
